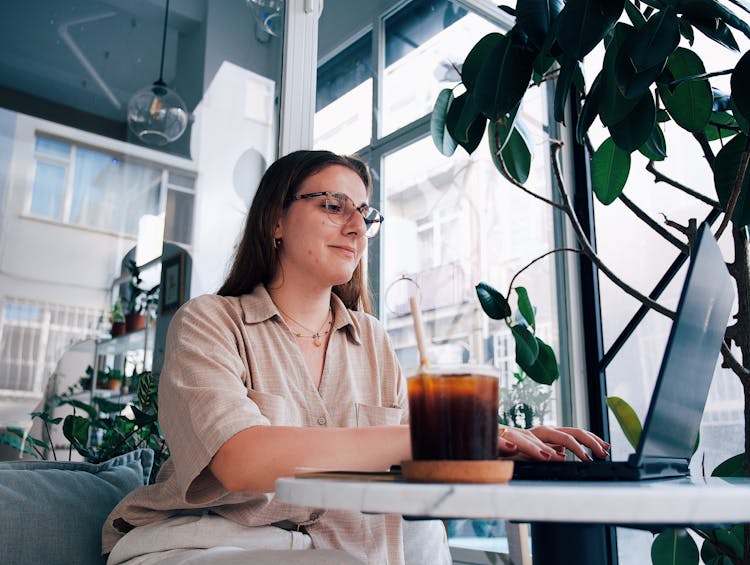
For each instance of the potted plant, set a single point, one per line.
(140, 301)
(117, 317)
(651, 76)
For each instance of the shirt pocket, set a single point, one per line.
(273, 407)
(366, 415)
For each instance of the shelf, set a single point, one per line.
(113, 346)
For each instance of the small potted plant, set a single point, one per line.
(117, 317)
(139, 299)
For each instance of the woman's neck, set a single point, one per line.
(308, 307)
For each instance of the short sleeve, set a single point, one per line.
(203, 395)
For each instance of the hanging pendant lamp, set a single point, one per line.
(156, 113)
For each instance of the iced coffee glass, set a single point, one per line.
(453, 413)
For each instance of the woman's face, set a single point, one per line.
(315, 249)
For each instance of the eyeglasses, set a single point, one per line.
(340, 208)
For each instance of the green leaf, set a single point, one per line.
(691, 103)
(106, 406)
(634, 15)
(610, 166)
(464, 123)
(568, 67)
(613, 106)
(740, 84)
(726, 166)
(662, 116)
(544, 370)
(717, 31)
(504, 76)
(542, 65)
(503, 127)
(686, 30)
(582, 24)
(741, 121)
(525, 307)
(527, 347)
(731, 467)
(627, 418)
(674, 547)
(655, 41)
(440, 136)
(707, 10)
(16, 443)
(476, 58)
(719, 126)
(536, 17)
(45, 417)
(76, 430)
(517, 156)
(493, 302)
(655, 148)
(88, 408)
(636, 128)
(590, 108)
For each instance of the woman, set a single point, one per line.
(285, 370)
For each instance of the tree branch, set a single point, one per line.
(707, 151)
(731, 361)
(660, 177)
(736, 189)
(542, 256)
(586, 246)
(514, 182)
(646, 219)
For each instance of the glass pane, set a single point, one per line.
(178, 226)
(425, 43)
(49, 191)
(343, 104)
(52, 148)
(112, 194)
(453, 222)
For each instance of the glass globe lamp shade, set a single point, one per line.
(157, 114)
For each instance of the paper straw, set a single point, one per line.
(416, 315)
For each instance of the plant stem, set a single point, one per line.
(645, 218)
(542, 256)
(660, 177)
(699, 77)
(736, 189)
(586, 246)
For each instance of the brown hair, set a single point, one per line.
(256, 259)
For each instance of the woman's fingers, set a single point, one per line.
(548, 443)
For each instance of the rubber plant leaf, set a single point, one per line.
(674, 546)
(627, 418)
(740, 84)
(725, 167)
(590, 108)
(464, 123)
(544, 370)
(492, 301)
(721, 124)
(536, 18)
(686, 30)
(634, 15)
(517, 156)
(731, 467)
(476, 58)
(636, 128)
(568, 68)
(504, 76)
(715, 30)
(655, 148)
(691, 102)
(656, 40)
(527, 347)
(582, 24)
(613, 106)
(525, 306)
(610, 167)
(438, 129)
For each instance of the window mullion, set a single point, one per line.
(378, 70)
(70, 171)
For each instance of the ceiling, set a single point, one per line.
(87, 57)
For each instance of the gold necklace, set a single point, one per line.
(314, 335)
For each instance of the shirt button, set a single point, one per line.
(322, 421)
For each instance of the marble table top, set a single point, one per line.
(669, 501)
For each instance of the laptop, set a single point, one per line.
(674, 415)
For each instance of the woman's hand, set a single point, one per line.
(548, 443)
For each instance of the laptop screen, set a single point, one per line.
(674, 416)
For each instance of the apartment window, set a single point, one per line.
(92, 188)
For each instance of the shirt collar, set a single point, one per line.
(258, 307)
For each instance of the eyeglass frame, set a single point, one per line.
(361, 208)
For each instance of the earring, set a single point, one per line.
(277, 242)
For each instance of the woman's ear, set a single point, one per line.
(278, 232)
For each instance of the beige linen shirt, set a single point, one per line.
(231, 363)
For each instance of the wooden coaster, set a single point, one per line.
(494, 471)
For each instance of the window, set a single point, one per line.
(450, 222)
(91, 188)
